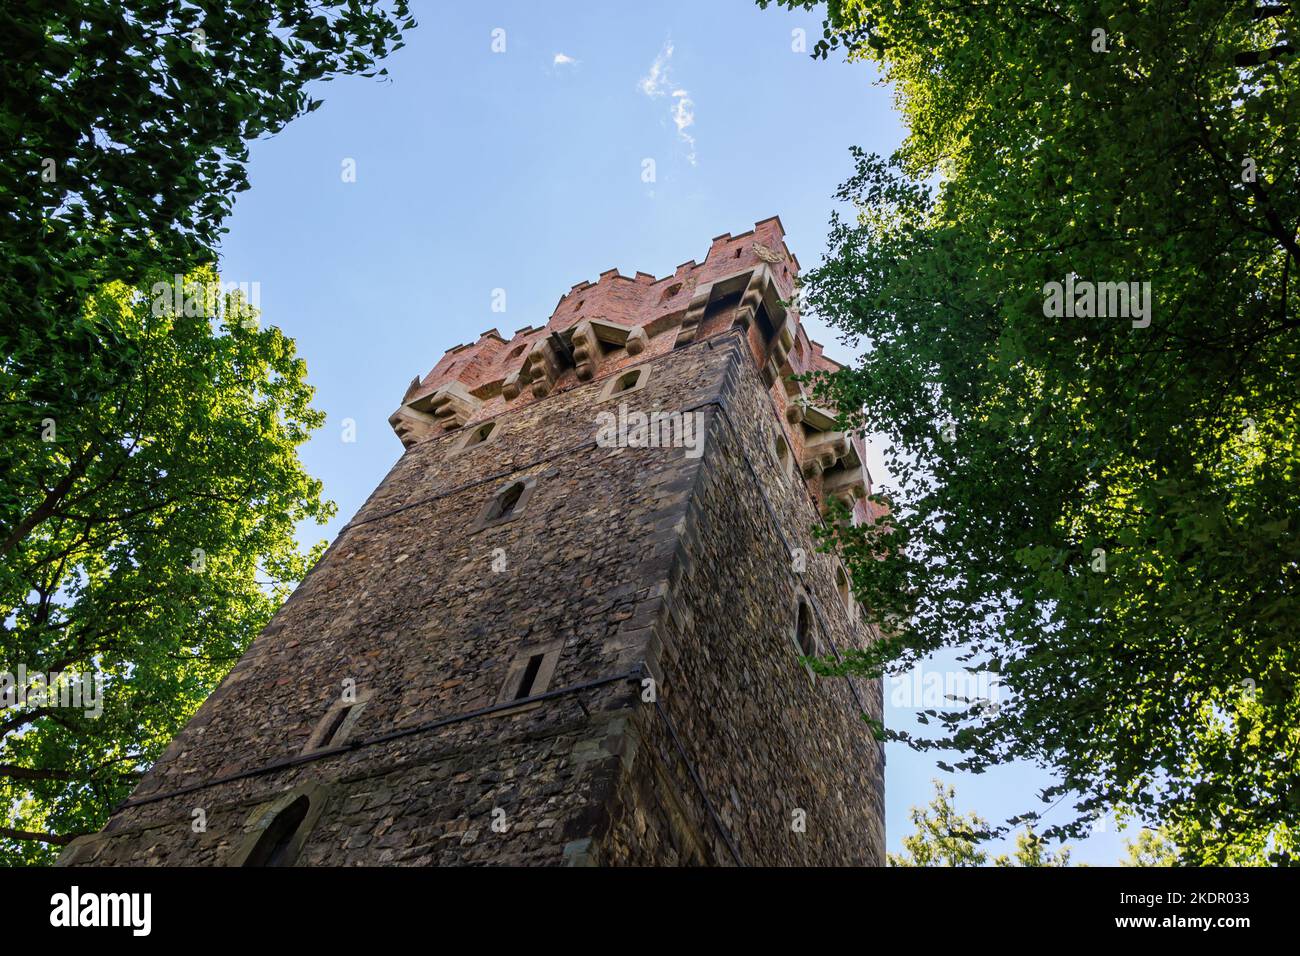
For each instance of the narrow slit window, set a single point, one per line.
(626, 382)
(529, 677)
(275, 846)
(529, 674)
(336, 725)
(804, 637)
(332, 728)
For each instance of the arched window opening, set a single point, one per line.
(626, 381)
(480, 434)
(275, 845)
(506, 505)
(506, 502)
(842, 585)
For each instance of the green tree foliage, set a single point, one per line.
(1100, 507)
(145, 536)
(124, 127)
(1151, 848)
(1033, 850)
(945, 837)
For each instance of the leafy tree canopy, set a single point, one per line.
(945, 837)
(1097, 486)
(146, 538)
(124, 128)
(1151, 848)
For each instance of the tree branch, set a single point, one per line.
(58, 839)
(28, 773)
(1257, 57)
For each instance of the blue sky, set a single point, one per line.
(479, 170)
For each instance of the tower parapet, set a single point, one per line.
(600, 328)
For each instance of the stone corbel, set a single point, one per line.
(542, 368)
(760, 290)
(513, 385)
(751, 300)
(412, 426)
(797, 402)
(586, 351)
(761, 293)
(822, 452)
(847, 485)
(694, 313)
(848, 482)
(782, 342)
(452, 405)
(445, 410)
(823, 445)
(636, 341)
(587, 340)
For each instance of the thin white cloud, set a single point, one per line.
(658, 82)
(563, 59)
(655, 83)
(684, 116)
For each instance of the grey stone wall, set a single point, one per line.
(763, 738)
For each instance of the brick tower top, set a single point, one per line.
(598, 329)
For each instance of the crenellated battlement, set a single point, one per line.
(746, 282)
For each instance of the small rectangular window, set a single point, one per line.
(530, 673)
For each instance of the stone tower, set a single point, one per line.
(567, 627)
